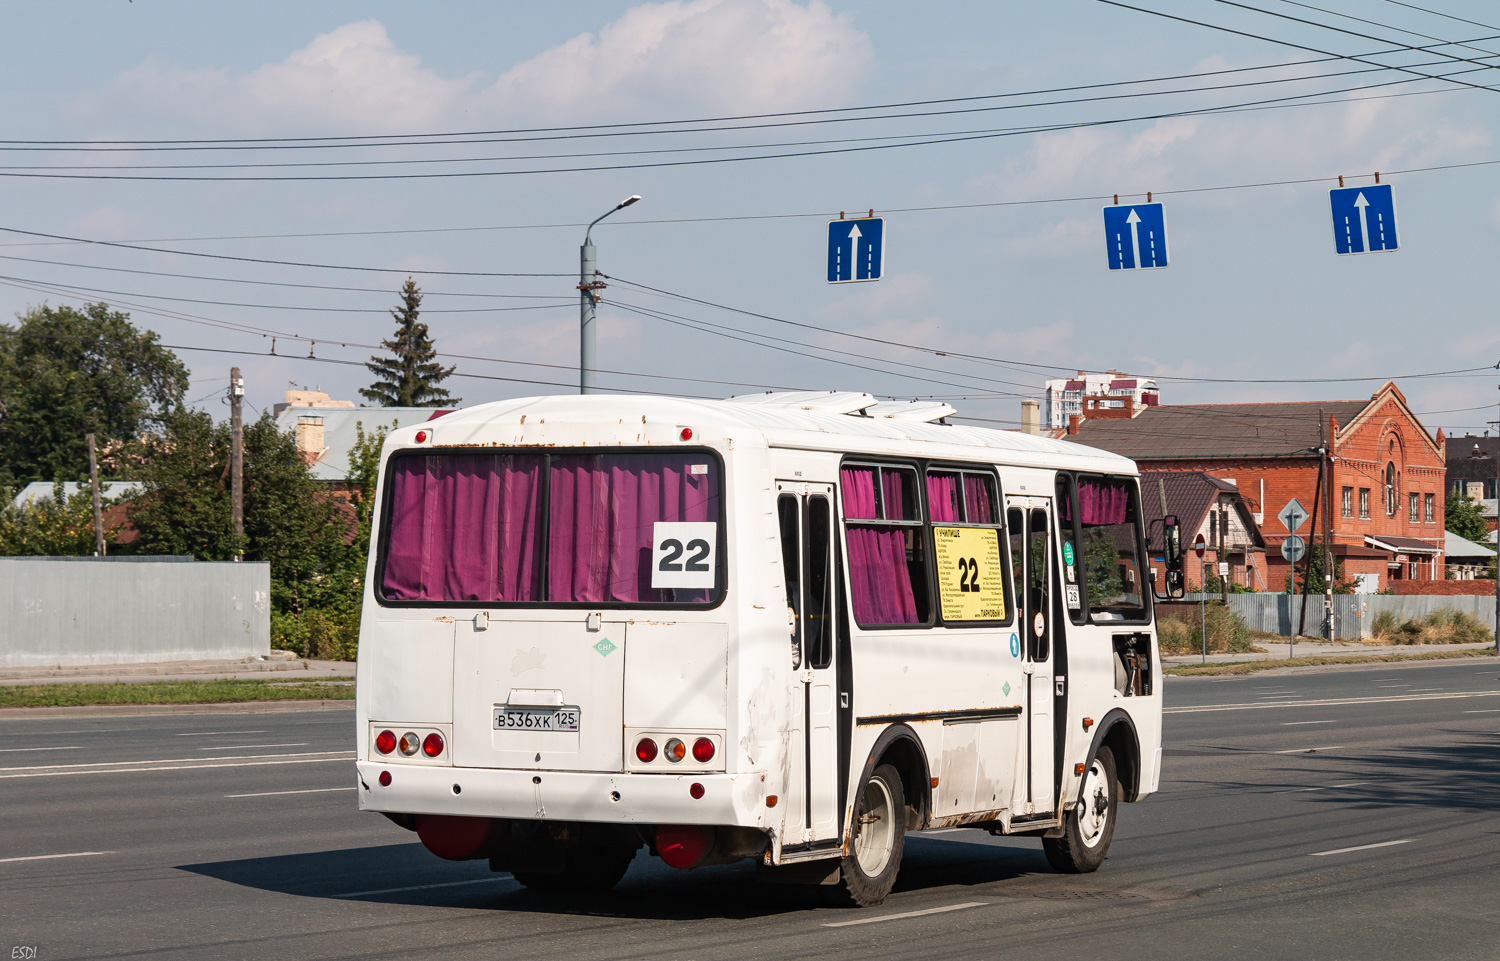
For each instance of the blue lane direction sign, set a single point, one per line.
(1136, 236)
(1364, 219)
(856, 250)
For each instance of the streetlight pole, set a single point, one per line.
(588, 300)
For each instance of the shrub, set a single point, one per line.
(1443, 626)
(1180, 632)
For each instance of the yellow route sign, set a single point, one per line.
(971, 582)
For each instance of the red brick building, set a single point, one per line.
(1384, 489)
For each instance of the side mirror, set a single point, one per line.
(1172, 542)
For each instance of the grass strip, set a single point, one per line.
(170, 692)
(1250, 667)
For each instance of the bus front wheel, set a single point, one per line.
(868, 873)
(1089, 825)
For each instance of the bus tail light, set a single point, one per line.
(385, 778)
(703, 750)
(675, 750)
(645, 750)
(410, 744)
(432, 745)
(695, 790)
(385, 742)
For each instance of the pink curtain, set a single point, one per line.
(879, 580)
(603, 508)
(942, 498)
(977, 499)
(463, 527)
(1103, 502)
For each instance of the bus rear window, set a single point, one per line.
(553, 528)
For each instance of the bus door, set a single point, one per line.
(1028, 524)
(805, 517)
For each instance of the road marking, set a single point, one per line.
(1331, 702)
(313, 790)
(906, 914)
(1308, 750)
(1329, 787)
(49, 857)
(1419, 690)
(18, 750)
(1361, 847)
(422, 887)
(941, 831)
(181, 764)
(236, 747)
(218, 733)
(1295, 723)
(1488, 710)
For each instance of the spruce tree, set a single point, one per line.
(410, 377)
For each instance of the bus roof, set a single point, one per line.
(847, 422)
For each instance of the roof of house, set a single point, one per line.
(1455, 547)
(1402, 545)
(1218, 430)
(339, 432)
(38, 491)
(1189, 495)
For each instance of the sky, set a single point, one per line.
(995, 242)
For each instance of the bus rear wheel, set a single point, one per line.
(1089, 825)
(868, 873)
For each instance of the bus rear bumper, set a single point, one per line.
(605, 798)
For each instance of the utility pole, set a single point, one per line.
(1312, 536)
(1328, 561)
(1497, 536)
(1223, 553)
(588, 299)
(98, 514)
(237, 461)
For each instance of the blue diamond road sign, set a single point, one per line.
(1364, 219)
(1136, 236)
(856, 250)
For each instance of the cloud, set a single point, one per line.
(352, 79)
(660, 59)
(657, 60)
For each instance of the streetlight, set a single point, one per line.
(588, 300)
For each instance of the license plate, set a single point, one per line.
(537, 719)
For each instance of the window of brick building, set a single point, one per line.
(1411, 508)
(1364, 503)
(1390, 490)
(1348, 504)
(1427, 505)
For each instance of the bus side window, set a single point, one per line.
(1015, 526)
(817, 529)
(786, 512)
(1037, 584)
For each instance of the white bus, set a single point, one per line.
(789, 627)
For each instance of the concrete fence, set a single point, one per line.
(82, 610)
(1352, 613)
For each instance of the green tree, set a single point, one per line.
(66, 373)
(1461, 515)
(411, 376)
(55, 526)
(185, 508)
(1341, 585)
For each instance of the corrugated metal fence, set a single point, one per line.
(82, 610)
(1352, 613)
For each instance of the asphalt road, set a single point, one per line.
(1353, 814)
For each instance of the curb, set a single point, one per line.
(142, 710)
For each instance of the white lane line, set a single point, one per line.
(422, 887)
(217, 733)
(1330, 702)
(1391, 687)
(19, 750)
(1420, 690)
(1308, 750)
(236, 747)
(1488, 710)
(906, 914)
(49, 857)
(199, 764)
(941, 831)
(168, 760)
(312, 790)
(1361, 847)
(1330, 787)
(1296, 723)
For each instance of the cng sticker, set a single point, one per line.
(604, 646)
(1015, 646)
(1068, 553)
(970, 583)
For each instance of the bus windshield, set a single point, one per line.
(560, 528)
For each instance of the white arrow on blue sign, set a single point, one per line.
(856, 250)
(1364, 219)
(1136, 236)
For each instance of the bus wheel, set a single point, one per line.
(867, 875)
(1089, 826)
(588, 868)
